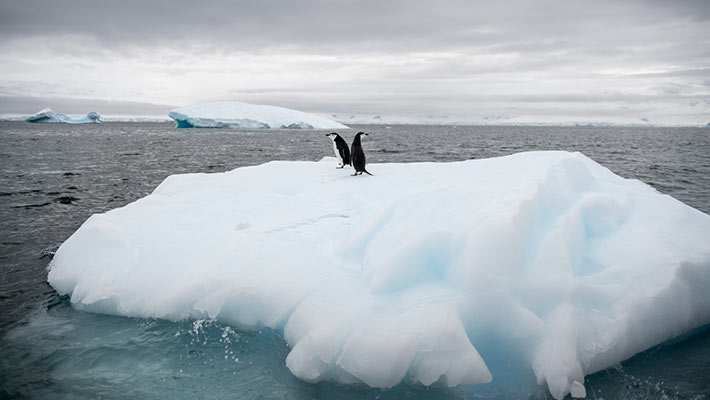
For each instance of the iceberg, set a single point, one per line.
(239, 115)
(48, 116)
(427, 273)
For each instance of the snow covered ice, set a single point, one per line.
(421, 273)
(248, 116)
(46, 115)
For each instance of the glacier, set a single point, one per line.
(238, 115)
(424, 273)
(46, 115)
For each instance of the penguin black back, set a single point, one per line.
(340, 148)
(358, 155)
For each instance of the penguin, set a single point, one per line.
(358, 155)
(342, 152)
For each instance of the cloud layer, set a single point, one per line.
(550, 61)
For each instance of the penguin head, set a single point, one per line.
(362, 133)
(332, 135)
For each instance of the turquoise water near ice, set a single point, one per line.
(54, 177)
(62, 353)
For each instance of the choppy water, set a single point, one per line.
(53, 177)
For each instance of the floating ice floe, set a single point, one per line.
(425, 272)
(248, 116)
(48, 116)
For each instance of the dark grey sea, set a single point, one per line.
(53, 177)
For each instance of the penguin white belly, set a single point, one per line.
(337, 154)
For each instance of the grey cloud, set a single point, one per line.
(330, 25)
(475, 46)
(684, 73)
(231, 24)
(26, 105)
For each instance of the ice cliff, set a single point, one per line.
(48, 116)
(248, 116)
(425, 272)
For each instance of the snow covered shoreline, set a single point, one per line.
(409, 274)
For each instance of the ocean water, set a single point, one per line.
(53, 177)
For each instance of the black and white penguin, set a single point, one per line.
(342, 152)
(358, 155)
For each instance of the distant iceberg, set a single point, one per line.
(52, 117)
(457, 273)
(239, 115)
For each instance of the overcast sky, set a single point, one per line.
(446, 60)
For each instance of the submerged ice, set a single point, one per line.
(421, 273)
(46, 115)
(239, 115)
